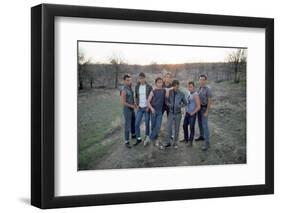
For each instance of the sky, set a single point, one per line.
(146, 54)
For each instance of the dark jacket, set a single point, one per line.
(165, 107)
(148, 89)
(176, 102)
(129, 95)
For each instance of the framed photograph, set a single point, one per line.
(136, 106)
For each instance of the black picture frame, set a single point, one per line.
(43, 105)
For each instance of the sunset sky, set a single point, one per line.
(146, 54)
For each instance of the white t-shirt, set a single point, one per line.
(142, 92)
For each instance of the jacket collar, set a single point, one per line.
(140, 83)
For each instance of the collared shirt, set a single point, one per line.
(204, 93)
(142, 93)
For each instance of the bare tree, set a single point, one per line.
(154, 66)
(116, 61)
(237, 58)
(82, 72)
(91, 81)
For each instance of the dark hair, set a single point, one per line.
(126, 76)
(204, 76)
(142, 75)
(175, 82)
(158, 79)
(191, 82)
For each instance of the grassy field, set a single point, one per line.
(101, 132)
(99, 117)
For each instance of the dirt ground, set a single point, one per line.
(227, 123)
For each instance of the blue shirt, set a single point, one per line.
(204, 93)
(191, 103)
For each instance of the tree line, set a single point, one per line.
(111, 72)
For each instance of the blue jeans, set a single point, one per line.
(203, 125)
(133, 121)
(189, 121)
(129, 126)
(139, 114)
(156, 121)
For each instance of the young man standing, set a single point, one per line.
(205, 96)
(175, 101)
(193, 106)
(142, 91)
(128, 103)
(167, 84)
(155, 103)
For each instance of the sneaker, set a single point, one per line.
(183, 140)
(167, 145)
(161, 147)
(199, 138)
(157, 144)
(134, 136)
(146, 141)
(138, 141)
(175, 146)
(128, 145)
(189, 143)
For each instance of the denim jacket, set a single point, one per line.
(129, 95)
